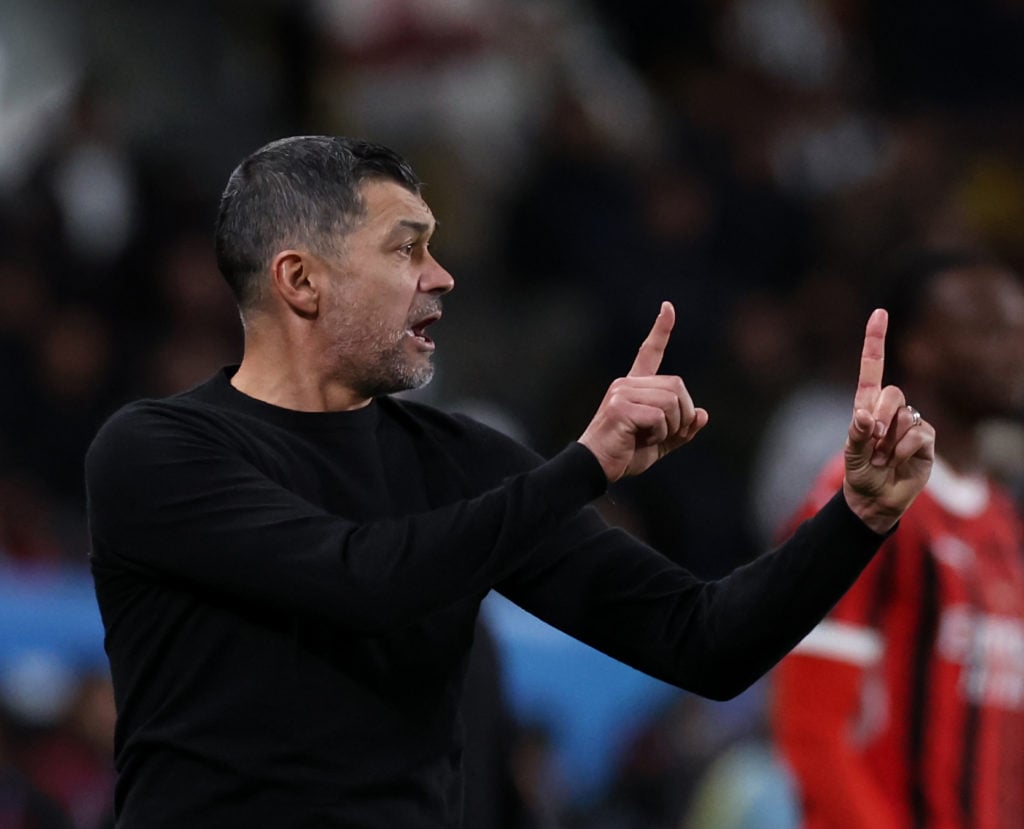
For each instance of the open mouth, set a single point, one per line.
(418, 329)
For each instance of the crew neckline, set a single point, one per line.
(219, 391)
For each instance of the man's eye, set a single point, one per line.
(406, 250)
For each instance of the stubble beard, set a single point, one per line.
(377, 363)
(395, 371)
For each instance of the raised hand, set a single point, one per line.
(644, 415)
(889, 447)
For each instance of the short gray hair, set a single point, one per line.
(296, 192)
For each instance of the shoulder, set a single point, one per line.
(151, 429)
(149, 415)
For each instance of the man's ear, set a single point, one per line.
(291, 275)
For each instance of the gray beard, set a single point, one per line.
(390, 370)
(391, 374)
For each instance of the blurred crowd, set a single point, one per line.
(757, 162)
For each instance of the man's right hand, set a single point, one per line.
(644, 415)
(889, 448)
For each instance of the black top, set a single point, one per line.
(289, 599)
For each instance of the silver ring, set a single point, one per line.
(915, 416)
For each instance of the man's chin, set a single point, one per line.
(415, 378)
(421, 378)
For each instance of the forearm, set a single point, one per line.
(762, 610)
(711, 638)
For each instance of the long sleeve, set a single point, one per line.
(713, 638)
(174, 499)
(289, 599)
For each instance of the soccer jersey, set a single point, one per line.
(905, 707)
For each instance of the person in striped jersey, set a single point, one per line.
(905, 706)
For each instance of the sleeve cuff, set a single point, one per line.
(571, 479)
(841, 512)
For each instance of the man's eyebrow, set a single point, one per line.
(419, 227)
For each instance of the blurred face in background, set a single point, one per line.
(970, 346)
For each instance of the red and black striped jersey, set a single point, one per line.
(905, 706)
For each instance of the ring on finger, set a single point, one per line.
(915, 416)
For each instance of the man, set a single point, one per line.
(906, 706)
(289, 562)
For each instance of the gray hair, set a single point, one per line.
(296, 192)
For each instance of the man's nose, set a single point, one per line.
(435, 279)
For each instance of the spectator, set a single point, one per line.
(905, 707)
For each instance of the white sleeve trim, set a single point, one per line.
(844, 642)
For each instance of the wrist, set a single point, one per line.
(877, 517)
(607, 464)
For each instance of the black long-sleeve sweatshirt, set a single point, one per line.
(289, 600)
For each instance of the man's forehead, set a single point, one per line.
(389, 203)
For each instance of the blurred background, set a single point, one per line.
(757, 162)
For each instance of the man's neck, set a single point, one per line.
(285, 385)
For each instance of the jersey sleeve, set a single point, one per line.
(714, 638)
(822, 698)
(167, 500)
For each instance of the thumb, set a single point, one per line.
(860, 438)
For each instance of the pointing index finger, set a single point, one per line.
(872, 361)
(652, 350)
